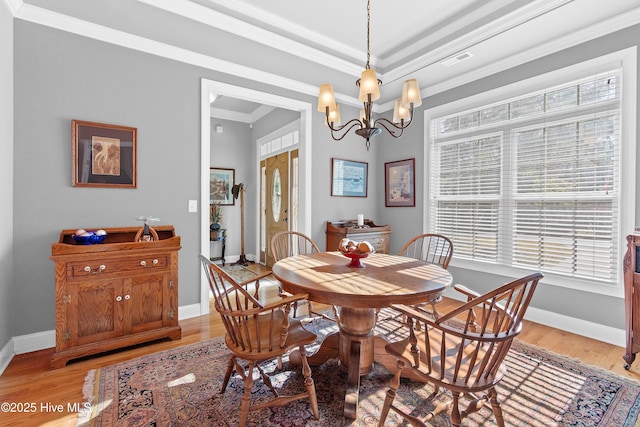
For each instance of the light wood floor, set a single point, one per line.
(29, 379)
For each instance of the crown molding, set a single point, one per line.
(221, 21)
(478, 34)
(301, 31)
(13, 6)
(72, 25)
(473, 38)
(62, 22)
(598, 30)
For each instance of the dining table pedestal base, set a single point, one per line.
(356, 347)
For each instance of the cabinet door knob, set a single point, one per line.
(119, 298)
(127, 297)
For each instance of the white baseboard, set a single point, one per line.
(582, 327)
(6, 354)
(33, 342)
(41, 340)
(189, 311)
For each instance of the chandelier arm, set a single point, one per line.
(401, 127)
(382, 122)
(350, 124)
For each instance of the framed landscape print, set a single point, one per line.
(103, 155)
(348, 178)
(399, 183)
(221, 181)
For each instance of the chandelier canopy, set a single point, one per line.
(369, 85)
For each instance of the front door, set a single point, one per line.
(276, 199)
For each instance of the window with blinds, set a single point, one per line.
(533, 182)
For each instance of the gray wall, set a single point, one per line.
(60, 76)
(610, 310)
(352, 147)
(6, 177)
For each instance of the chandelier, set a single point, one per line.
(369, 85)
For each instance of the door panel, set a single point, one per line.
(277, 199)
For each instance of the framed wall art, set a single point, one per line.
(221, 181)
(399, 183)
(103, 155)
(348, 178)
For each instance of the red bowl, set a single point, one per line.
(355, 259)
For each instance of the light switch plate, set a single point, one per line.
(193, 206)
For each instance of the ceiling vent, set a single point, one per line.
(455, 59)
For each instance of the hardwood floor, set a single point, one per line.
(30, 384)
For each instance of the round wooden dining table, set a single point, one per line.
(357, 294)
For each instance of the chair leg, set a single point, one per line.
(310, 309)
(456, 419)
(433, 308)
(309, 383)
(391, 394)
(245, 403)
(227, 374)
(495, 405)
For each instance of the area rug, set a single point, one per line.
(179, 387)
(239, 272)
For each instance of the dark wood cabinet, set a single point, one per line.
(377, 235)
(115, 294)
(632, 297)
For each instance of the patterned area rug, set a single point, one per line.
(239, 272)
(179, 387)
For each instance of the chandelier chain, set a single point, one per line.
(368, 33)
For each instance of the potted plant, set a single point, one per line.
(216, 216)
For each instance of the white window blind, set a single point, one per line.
(534, 181)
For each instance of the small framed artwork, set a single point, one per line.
(221, 181)
(103, 155)
(399, 183)
(348, 178)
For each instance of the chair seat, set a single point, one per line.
(453, 375)
(259, 349)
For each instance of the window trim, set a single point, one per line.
(625, 59)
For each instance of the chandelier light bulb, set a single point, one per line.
(326, 98)
(400, 112)
(369, 86)
(334, 115)
(411, 93)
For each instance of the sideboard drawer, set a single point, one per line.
(380, 241)
(115, 265)
(377, 235)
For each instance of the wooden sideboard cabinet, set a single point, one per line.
(632, 297)
(114, 294)
(377, 235)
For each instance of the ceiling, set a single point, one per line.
(435, 41)
(442, 43)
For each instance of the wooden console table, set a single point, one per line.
(114, 294)
(219, 235)
(377, 235)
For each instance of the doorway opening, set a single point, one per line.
(209, 87)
